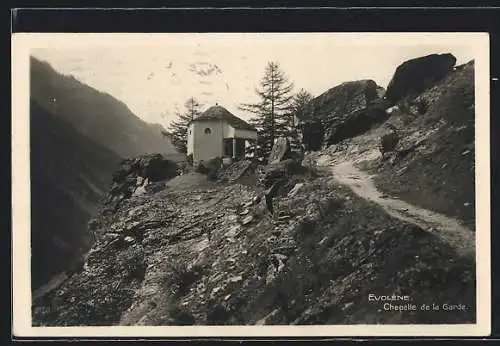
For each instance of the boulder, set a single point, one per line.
(134, 176)
(388, 142)
(278, 170)
(344, 111)
(153, 166)
(354, 123)
(312, 133)
(416, 75)
(156, 168)
(280, 150)
(343, 99)
(235, 171)
(212, 168)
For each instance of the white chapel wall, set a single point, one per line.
(206, 146)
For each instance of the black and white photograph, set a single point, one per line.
(250, 180)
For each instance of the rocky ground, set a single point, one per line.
(213, 255)
(439, 173)
(349, 226)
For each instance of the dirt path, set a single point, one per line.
(448, 229)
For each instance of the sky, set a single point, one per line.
(155, 74)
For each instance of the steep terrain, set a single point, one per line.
(437, 167)
(231, 263)
(69, 175)
(78, 137)
(95, 114)
(193, 251)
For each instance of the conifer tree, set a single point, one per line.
(298, 111)
(272, 112)
(178, 129)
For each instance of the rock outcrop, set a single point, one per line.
(312, 133)
(344, 111)
(415, 75)
(281, 165)
(280, 151)
(353, 124)
(140, 175)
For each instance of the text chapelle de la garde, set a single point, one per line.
(390, 306)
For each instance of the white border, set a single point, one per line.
(22, 43)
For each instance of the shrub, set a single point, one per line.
(211, 168)
(183, 275)
(201, 168)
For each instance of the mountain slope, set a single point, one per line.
(439, 172)
(69, 174)
(206, 253)
(209, 254)
(95, 114)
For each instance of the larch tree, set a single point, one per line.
(178, 129)
(298, 111)
(272, 112)
(299, 105)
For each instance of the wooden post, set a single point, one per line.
(234, 148)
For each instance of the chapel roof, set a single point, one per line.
(220, 113)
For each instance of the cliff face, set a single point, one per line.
(194, 251)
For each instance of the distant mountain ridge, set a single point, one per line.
(97, 115)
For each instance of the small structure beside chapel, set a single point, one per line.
(218, 133)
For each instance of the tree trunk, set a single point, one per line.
(272, 111)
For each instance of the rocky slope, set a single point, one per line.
(231, 263)
(194, 251)
(437, 167)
